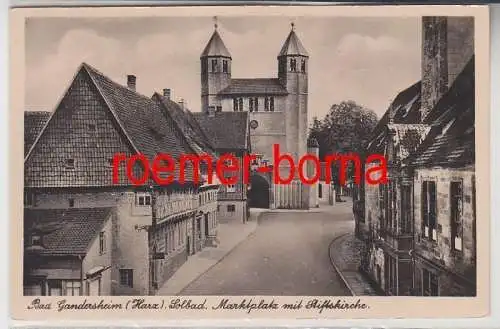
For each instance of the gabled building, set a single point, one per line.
(70, 165)
(425, 146)
(444, 188)
(229, 133)
(33, 125)
(69, 252)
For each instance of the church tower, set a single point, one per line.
(292, 73)
(215, 72)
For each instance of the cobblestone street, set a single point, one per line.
(288, 254)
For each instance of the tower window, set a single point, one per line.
(256, 104)
(271, 104)
(250, 104)
(293, 65)
(224, 66)
(214, 65)
(235, 104)
(303, 66)
(266, 104)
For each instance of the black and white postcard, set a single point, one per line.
(249, 162)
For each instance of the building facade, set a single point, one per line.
(410, 224)
(277, 110)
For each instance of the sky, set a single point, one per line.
(367, 60)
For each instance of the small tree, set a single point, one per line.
(346, 129)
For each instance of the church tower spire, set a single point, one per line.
(215, 71)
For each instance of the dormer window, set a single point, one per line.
(69, 164)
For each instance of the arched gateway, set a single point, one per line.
(259, 192)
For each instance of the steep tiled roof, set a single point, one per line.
(124, 121)
(33, 124)
(260, 86)
(215, 47)
(405, 109)
(187, 124)
(407, 137)
(293, 46)
(451, 141)
(65, 231)
(226, 130)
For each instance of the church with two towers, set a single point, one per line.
(276, 109)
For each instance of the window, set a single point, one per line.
(253, 104)
(429, 210)
(69, 164)
(167, 242)
(240, 103)
(218, 207)
(231, 208)
(456, 205)
(102, 243)
(293, 65)
(110, 162)
(303, 66)
(211, 109)
(382, 201)
(266, 104)
(214, 65)
(219, 109)
(198, 227)
(271, 104)
(224, 66)
(73, 288)
(92, 127)
(36, 240)
(430, 285)
(390, 275)
(406, 209)
(237, 104)
(55, 287)
(230, 188)
(29, 199)
(71, 203)
(143, 199)
(127, 277)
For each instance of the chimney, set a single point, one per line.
(166, 93)
(131, 79)
(447, 46)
